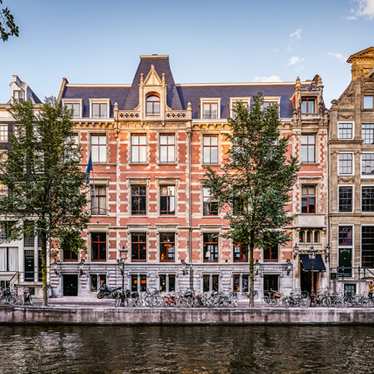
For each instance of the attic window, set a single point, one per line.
(152, 105)
(308, 105)
(18, 95)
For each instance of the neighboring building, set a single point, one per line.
(351, 150)
(150, 144)
(19, 259)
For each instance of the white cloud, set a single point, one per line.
(294, 60)
(296, 34)
(337, 55)
(366, 8)
(269, 78)
(363, 8)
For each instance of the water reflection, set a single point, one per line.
(186, 349)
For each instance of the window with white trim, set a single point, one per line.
(99, 109)
(345, 163)
(98, 148)
(345, 250)
(98, 199)
(74, 108)
(152, 105)
(367, 198)
(234, 101)
(367, 164)
(4, 133)
(139, 148)
(345, 130)
(367, 246)
(368, 133)
(167, 148)
(210, 149)
(240, 282)
(167, 282)
(308, 148)
(210, 282)
(368, 102)
(345, 198)
(8, 259)
(209, 109)
(308, 105)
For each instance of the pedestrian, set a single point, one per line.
(370, 289)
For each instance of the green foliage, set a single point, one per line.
(8, 26)
(43, 177)
(255, 182)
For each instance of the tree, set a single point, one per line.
(44, 181)
(254, 184)
(8, 26)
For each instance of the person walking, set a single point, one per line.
(370, 290)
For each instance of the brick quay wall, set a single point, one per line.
(184, 316)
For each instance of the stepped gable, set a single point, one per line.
(162, 66)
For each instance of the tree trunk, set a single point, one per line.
(251, 285)
(44, 268)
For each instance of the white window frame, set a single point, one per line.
(5, 126)
(273, 100)
(362, 130)
(212, 100)
(75, 101)
(365, 176)
(202, 148)
(353, 163)
(93, 185)
(363, 102)
(241, 276)
(106, 147)
(234, 100)
(100, 101)
(339, 123)
(361, 187)
(167, 274)
(159, 147)
(352, 247)
(353, 197)
(131, 161)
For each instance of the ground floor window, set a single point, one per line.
(4, 284)
(367, 248)
(240, 283)
(345, 262)
(29, 264)
(167, 282)
(9, 259)
(138, 282)
(349, 289)
(210, 282)
(271, 283)
(96, 281)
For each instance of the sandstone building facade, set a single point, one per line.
(351, 179)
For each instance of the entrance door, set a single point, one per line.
(345, 262)
(271, 283)
(70, 284)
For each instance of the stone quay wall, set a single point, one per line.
(184, 316)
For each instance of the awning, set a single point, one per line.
(312, 264)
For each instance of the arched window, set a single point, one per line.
(152, 105)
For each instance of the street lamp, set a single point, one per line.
(121, 262)
(312, 257)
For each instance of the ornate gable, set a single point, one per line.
(362, 63)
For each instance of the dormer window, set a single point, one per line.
(152, 107)
(18, 95)
(99, 108)
(210, 108)
(74, 108)
(308, 105)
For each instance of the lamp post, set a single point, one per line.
(312, 257)
(121, 262)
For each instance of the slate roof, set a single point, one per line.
(178, 95)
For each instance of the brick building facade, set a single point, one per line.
(151, 142)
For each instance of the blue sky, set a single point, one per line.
(91, 41)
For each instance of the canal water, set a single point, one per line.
(186, 350)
